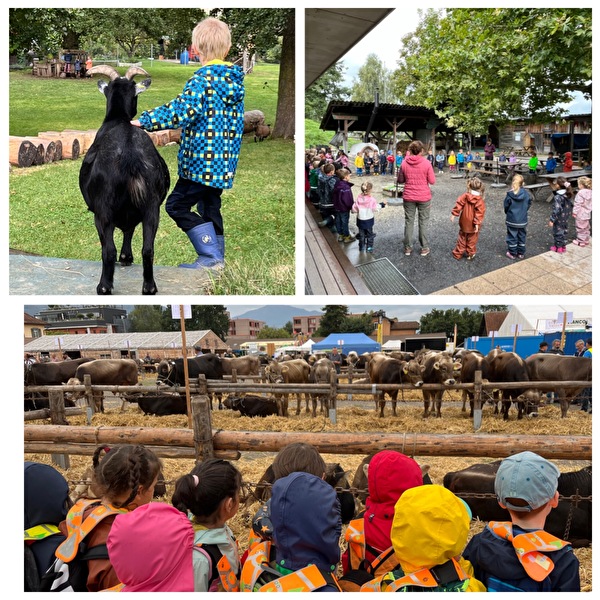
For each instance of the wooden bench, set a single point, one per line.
(394, 191)
(534, 188)
(327, 270)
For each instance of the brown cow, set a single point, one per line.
(243, 365)
(105, 371)
(509, 367)
(291, 371)
(433, 367)
(472, 362)
(555, 367)
(385, 370)
(322, 371)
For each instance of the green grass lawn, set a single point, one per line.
(48, 215)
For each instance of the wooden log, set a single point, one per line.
(44, 413)
(70, 143)
(415, 444)
(28, 150)
(21, 152)
(202, 421)
(86, 138)
(174, 135)
(49, 148)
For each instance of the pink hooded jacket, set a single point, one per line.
(151, 549)
(419, 175)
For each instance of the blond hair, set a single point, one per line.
(366, 187)
(584, 182)
(212, 39)
(517, 182)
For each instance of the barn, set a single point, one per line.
(157, 344)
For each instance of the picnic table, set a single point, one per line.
(534, 188)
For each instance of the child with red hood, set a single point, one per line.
(390, 474)
(568, 162)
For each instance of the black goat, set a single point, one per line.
(123, 178)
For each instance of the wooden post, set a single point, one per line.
(333, 398)
(350, 373)
(57, 417)
(90, 407)
(234, 376)
(203, 444)
(477, 404)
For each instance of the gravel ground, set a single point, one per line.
(440, 269)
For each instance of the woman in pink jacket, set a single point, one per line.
(416, 173)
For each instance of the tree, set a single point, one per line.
(473, 66)
(145, 318)
(259, 29)
(361, 324)
(289, 327)
(484, 308)
(273, 333)
(213, 317)
(467, 322)
(323, 90)
(332, 321)
(373, 77)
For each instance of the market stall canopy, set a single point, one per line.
(346, 342)
(331, 32)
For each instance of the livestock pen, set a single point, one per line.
(440, 445)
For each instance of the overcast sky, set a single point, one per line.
(384, 41)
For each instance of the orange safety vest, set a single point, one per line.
(357, 559)
(529, 548)
(259, 576)
(424, 578)
(78, 527)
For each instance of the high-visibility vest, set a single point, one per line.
(449, 577)
(259, 576)
(357, 558)
(78, 527)
(530, 547)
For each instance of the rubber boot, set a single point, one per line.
(207, 246)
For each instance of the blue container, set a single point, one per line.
(184, 59)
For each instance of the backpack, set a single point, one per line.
(222, 578)
(33, 535)
(69, 571)
(360, 569)
(259, 576)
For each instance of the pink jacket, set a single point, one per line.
(582, 204)
(418, 174)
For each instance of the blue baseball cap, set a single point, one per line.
(527, 476)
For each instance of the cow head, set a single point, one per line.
(273, 372)
(413, 372)
(164, 370)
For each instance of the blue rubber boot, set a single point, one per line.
(206, 244)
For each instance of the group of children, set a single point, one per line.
(331, 192)
(412, 535)
(470, 208)
(380, 163)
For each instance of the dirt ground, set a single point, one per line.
(440, 270)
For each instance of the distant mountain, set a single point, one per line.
(277, 316)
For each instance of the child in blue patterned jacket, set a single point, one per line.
(210, 113)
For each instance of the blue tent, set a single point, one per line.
(346, 342)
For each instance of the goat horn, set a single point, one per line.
(105, 70)
(133, 71)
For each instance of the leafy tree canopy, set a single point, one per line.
(213, 317)
(273, 333)
(145, 318)
(373, 77)
(323, 90)
(477, 65)
(337, 320)
(467, 322)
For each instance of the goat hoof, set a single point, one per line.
(102, 290)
